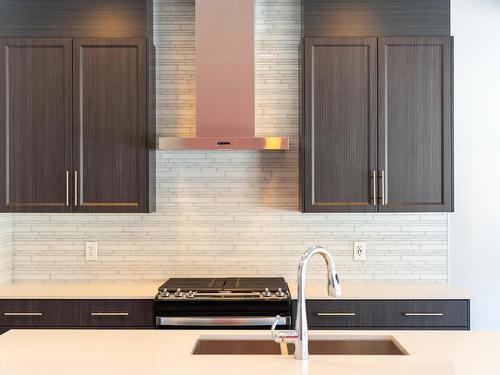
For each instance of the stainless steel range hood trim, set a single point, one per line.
(225, 75)
(218, 143)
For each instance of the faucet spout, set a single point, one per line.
(334, 289)
(300, 336)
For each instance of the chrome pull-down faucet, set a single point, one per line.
(300, 336)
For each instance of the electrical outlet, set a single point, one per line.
(359, 250)
(90, 250)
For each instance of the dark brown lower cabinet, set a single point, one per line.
(46, 313)
(388, 314)
(117, 313)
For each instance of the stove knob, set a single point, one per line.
(267, 293)
(190, 294)
(164, 294)
(178, 293)
(280, 293)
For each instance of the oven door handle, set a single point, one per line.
(220, 321)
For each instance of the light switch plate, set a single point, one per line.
(359, 250)
(90, 250)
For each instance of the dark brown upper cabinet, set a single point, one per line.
(368, 18)
(415, 123)
(110, 130)
(340, 138)
(35, 125)
(74, 133)
(377, 135)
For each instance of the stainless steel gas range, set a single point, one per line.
(234, 302)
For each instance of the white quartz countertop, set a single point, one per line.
(315, 290)
(147, 290)
(102, 290)
(162, 352)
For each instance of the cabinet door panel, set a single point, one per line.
(415, 123)
(36, 124)
(339, 140)
(110, 135)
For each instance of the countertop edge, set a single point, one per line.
(146, 290)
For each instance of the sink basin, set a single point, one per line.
(346, 345)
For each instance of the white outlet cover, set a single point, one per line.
(90, 250)
(359, 249)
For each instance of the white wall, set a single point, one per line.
(475, 226)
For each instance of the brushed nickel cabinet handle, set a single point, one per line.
(67, 188)
(109, 314)
(22, 314)
(76, 188)
(423, 314)
(336, 314)
(383, 187)
(375, 193)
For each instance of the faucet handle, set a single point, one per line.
(276, 322)
(285, 336)
(282, 336)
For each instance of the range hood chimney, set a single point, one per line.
(225, 83)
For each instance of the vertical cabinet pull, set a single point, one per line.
(375, 193)
(67, 188)
(383, 187)
(76, 188)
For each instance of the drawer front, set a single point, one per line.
(427, 314)
(117, 313)
(387, 314)
(338, 314)
(38, 313)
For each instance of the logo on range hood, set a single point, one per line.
(225, 82)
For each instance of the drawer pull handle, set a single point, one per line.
(336, 314)
(423, 314)
(22, 314)
(109, 313)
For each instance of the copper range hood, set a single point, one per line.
(225, 81)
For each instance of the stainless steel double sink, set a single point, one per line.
(322, 345)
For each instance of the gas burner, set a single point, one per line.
(224, 288)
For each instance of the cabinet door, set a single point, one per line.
(35, 125)
(415, 123)
(340, 138)
(110, 133)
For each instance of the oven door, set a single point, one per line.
(221, 322)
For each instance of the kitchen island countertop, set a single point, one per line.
(168, 352)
